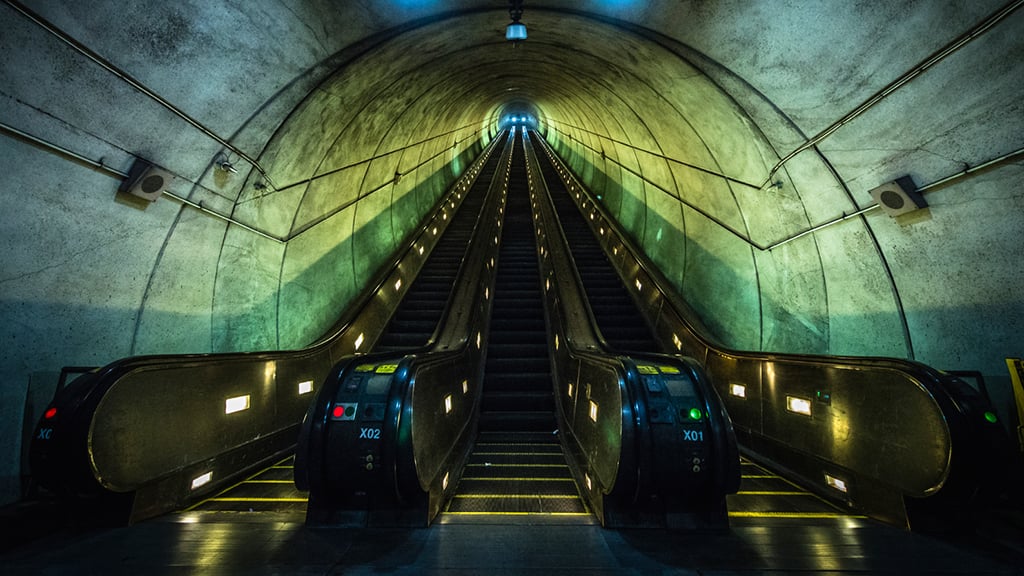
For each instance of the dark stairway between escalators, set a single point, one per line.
(517, 468)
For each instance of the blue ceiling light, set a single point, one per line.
(516, 31)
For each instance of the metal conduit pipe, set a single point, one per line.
(843, 217)
(982, 27)
(969, 170)
(398, 175)
(115, 173)
(127, 78)
(112, 172)
(922, 189)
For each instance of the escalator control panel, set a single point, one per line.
(357, 426)
(679, 423)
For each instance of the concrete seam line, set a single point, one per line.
(664, 157)
(377, 157)
(337, 210)
(692, 206)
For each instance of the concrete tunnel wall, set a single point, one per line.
(333, 102)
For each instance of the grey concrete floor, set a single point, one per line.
(280, 543)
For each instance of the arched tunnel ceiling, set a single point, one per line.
(584, 67)
(581, 71)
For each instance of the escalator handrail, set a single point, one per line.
(584, 343)
(592, 341)
(452, 336)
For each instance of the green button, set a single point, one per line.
(991, 417)
(695, 413)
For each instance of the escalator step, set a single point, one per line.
(484, 457)
(507, 421)
(511, 331)
(518, 401)
(513, 324)
(516, 349)
(517, 465)
(497, 471)
(539, 380)
(532, 438)
(517, 503)
(517, 485)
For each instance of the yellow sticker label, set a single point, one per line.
(365, 368)
(647, 369)
(386, 368)
(669, 369)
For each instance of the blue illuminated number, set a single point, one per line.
(369, 433)
(693, 435)
(45, 433)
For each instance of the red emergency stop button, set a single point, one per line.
(344, 411)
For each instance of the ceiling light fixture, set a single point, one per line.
(516, 31)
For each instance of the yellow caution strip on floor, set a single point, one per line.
(802, 515)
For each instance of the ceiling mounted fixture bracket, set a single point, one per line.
(516, 31)
(898, 197)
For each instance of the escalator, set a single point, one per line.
(764, 494)
(821, 421)
(517, 467)
(411, 327)
(473, 430)
(243, 410)
(417, 317)
(620, 322)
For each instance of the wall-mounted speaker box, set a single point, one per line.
(146, 181)
(898, 197)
